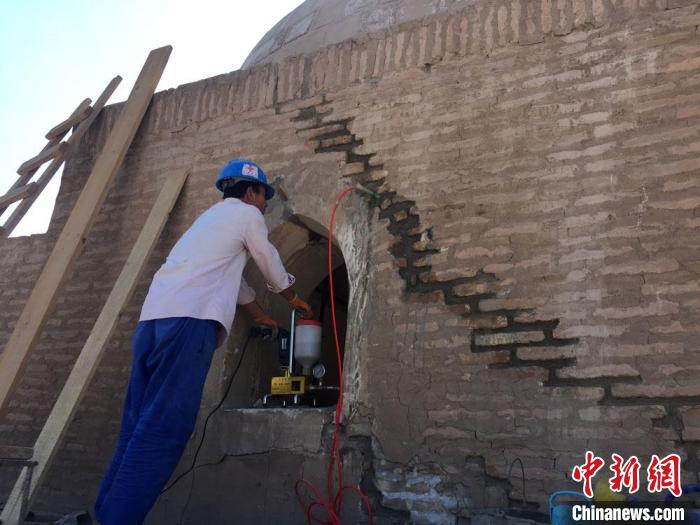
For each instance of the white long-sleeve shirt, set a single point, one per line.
(203, 274)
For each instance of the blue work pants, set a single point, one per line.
(171, 360)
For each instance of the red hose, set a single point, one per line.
(332, 506)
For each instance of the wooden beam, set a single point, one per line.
(17, 194)
(34, 163)
(51, 170)
(71, 240)
(23, 180)
(51, 436)
(84, 109)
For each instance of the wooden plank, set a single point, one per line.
(34, 163)
(51, 170)
(23, 180)
(51, 436)
(17, 194)
(10, 452)
(83, 111)
(71, 240)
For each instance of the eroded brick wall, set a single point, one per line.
(533, 260)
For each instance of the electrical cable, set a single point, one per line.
(206, 421)
(522, 469)
(333, 505)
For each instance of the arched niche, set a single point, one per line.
(303, 247)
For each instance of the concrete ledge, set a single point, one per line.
(258, 430)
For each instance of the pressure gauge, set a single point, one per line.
(319, 371)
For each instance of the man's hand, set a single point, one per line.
(265, 319)
(262, 322)
(296, 303)
(259, 315)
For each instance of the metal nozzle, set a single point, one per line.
(369, 192)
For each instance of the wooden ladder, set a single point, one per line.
(55, 151)
(60, 262)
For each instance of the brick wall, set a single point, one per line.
(531, 277)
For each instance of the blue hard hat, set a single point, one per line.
(244, 170)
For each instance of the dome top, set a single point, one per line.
(319, 23)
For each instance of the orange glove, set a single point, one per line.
(266, 320)
(296, 303)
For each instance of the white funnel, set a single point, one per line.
(307, 343)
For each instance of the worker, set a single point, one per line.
(188, 311)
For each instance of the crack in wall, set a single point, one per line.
(492, 330)
(413, 249)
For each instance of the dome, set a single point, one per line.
(318, 23)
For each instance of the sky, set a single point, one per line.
(55, 54)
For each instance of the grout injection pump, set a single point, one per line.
(299, 347)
